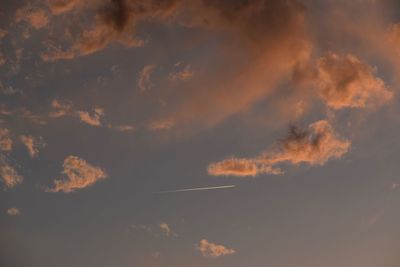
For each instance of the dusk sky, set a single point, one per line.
(199, 133)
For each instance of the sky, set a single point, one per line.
(202, 133)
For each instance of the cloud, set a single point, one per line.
(2, 33)
(210, 250)
(3, 60)
(144, 82)
(78, 174)
(124, 128)
(61, 109)
(271, 38)
(6, 142)
(314, 146)
(161, 125)
(93, 118)
(346, 82)
(165, 228)
(34, 118)
(13, 211)
(32, 144)
(61, 6)
(240, 167)
(114, 21)
(183, 74)
(37, 18)
(9, 175)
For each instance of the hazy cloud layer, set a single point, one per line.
(77, 174)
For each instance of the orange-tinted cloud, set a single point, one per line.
(32, 144)
(93, 118)
(166, 229)
(9, 175)
(181, 74)
(61, 6)
(346, 82)
(6, 142)
(60, 109)
(37, 18)
(124, 128)
(211, 250)
(13, 211)
(78, 174)
(158, 125)
(3, 33)
(314, 147)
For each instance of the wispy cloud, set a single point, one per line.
(314, 146)
(35, 17)
(211, 250)
(162, 228)
(13, 211)
(78, 174)
(6, 142)
(65, 108)
(181, 74)
(124, 128)
(166, 229)
(32, 144)
(144, 81)
(158, 125)
(60, 109)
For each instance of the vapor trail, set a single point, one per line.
(197, 189)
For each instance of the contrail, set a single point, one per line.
(197, 189)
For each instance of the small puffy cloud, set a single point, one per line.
(37, 18)
(32, 144)
(9, 175)
(210, 250)
(13, 211)
(346, 82)
(92, 118)
(5, 140)
(78, 174)
(61, 109)
(314, 146)
(183, 74)
(166, 229)
(144, 82)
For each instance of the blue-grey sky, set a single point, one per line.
(290, 106)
